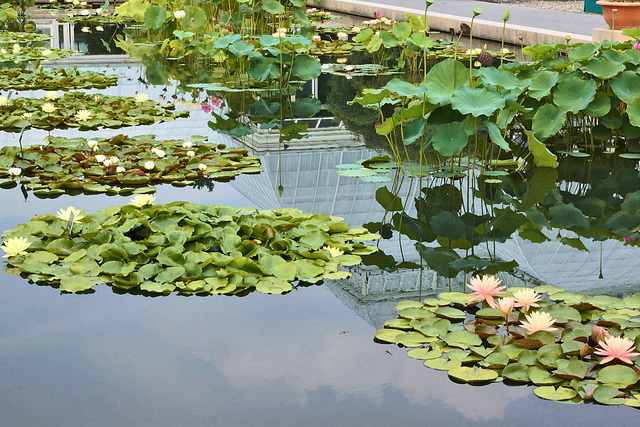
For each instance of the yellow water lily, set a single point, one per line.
(83, 115)
(15, 246)
(65, 214)
(334, 252)
(141, 200)
(142, 97)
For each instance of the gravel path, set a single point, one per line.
(563, 6)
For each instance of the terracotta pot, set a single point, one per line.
(627, 15)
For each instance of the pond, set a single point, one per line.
(307, 357)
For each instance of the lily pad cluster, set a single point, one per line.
(11, 37)
(120, 164)
(19, 54)
(183, 247)
(557, 347)
(54, 79)
(84, 111)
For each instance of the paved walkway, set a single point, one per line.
(534, 25)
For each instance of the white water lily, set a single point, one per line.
(100, 158)
(99, 28)
(14, 172)
(46, 52)
(85, 29)
(16, 48)
(48, 107)
(15, 246)
(202, 167)
(4, 101)
(191, 153)
(187, 144)
(142, 97)
(114, 160)
(334, 252)
(93, 144)
(83, 115)
(120, 169)
(149, 165)
(107, 162)
(159, 153)
(26, 115)
(65, 214)
(141, 200)
(179, 14)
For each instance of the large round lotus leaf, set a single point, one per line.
(462, 339)
(571, 369)
(617, 376)
(541, 154)
(424, 354)
(444, 79)
(435, 329)
(473, 376)
(388, 335)
(449, 139)
(540, 376)
(516, 372)
(607, 395)
(547, 121)
(541, 84)
(574, 94)
(442, 364)
(501, 78)
(626, 86)
(603, 68)
(583, 51)
(476, 101)
(633, 110)
(450, 313)
(551, 393)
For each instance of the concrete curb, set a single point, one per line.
(488, 30)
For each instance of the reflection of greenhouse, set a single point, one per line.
(310, 183)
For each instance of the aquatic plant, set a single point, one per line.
(454, 334)
(120, 164)
(185, 248)
(104, 111)
(54, 79)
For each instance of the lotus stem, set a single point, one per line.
(505, 18)
(476, 11)
(613, 23)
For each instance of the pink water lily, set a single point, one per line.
(539, 321)
(485, 288)
(526, 298)
(616, 348)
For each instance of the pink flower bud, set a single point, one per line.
(598, 333)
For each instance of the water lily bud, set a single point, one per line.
(598, 333)
(584, 351)
(567, 38)
(506, 15)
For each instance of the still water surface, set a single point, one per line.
(302, 359)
